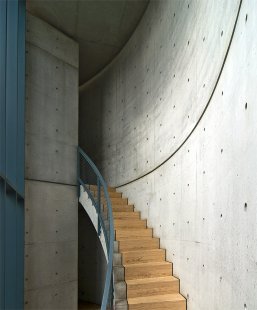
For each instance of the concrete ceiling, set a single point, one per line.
(101, 27)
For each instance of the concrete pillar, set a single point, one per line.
(51, 202)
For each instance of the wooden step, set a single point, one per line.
(136, 233)
(116, 201)
(148, 270)
(143, 256)
(152, 286)
(139, 244)
(122, 208)
(111, 194)
(119, 201)
(158, 302)
(95, 188)
(129, 223)
(126, 215)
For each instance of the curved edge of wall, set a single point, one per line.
(146, 105)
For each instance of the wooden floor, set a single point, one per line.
(82, 305)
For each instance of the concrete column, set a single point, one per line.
(51, 221)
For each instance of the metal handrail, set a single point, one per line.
(108, 288)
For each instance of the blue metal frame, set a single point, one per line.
(12, 102)
(109, 238)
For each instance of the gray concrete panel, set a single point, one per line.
(51, 117)
(53, 297)
(48, 38)
(51, 213)
(51, 220)
(50, 263)
(50, 160)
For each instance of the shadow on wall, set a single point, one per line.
(92, 143)
(92, 263)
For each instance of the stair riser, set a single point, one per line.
(122, 208)
(136, 257)
(150, 289)
(95, 188)
(166, 305)
(117, 260)
(119, 224)
(114, 201)
(119, 201)
(123, 234)
(126, 215)
(119, 208)
(118, 274)
(111, 194)
(132, 245)
(135, 272)
(120, 290)
(120, 305)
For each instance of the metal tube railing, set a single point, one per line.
(88, 173)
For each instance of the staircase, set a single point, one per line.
(142, 276)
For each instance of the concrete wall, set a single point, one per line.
(51, 203)
(197, 173)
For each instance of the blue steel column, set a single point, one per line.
(2, 147)
(20, 160)
(12, 102)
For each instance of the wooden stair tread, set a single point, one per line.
(163, 263)
(122, 208)
(151, 280)
(129, 222)
(111, 194)
(145, 251)
(95, 188)
(123, 233)
(145, 242)
(143, 255)
(125, 219)
(118, 201)
(126, 215)
(156, 298)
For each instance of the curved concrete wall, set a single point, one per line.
(153, 94)
(201, 202)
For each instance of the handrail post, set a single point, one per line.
(99, 204)
(78, 171)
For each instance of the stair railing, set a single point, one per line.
(92, 181)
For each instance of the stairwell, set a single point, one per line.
(142, 276)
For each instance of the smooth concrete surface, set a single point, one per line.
(51, 203)
(51, 110)
(55, 297)
(150, 99)
(100, 27)
(92, 261)
(202, 201)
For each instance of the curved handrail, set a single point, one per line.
(109, 239)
